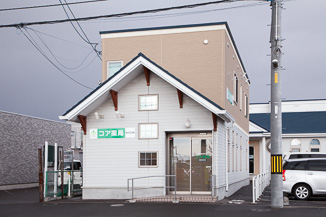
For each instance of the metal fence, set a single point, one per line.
(259, 183)
(53, 189)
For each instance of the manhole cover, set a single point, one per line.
(117, 205)
(237, 201)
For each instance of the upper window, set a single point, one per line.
(113, 67)
(235, 88)
(148, 131)
(314, 142)
(148, 102)
(295, 142)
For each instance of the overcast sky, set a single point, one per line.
(30, 85)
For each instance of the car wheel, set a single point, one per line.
(302, 192)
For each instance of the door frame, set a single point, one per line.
(191, 135)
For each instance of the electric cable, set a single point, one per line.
(43, 54)
(46, 6)
(86, 40)
(119, 15)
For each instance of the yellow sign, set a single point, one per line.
(276, 164)
(276, 77)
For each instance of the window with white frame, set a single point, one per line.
(148, 159)
(113, 67)
(148, 131)
(148, 102)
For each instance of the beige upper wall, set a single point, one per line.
(233, 66)
(202, 66)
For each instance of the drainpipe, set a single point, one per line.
(55, 169)
(226, 161)
(46, 153)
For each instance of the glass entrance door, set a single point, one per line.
(191, 162)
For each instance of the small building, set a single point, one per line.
(173, 104)
(20, 138)
(303, 130)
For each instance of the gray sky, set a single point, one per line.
(30, 85)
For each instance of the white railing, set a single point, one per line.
(259, 183)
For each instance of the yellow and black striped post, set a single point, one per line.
(276, 164)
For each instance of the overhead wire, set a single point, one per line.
(157, 16)
(93, 45)
(33, 42)
(120, 14)
(46, 6)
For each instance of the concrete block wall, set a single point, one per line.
(20, 138)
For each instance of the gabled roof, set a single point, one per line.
(294, 122)
(129, 72)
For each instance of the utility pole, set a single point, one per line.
(276, 107)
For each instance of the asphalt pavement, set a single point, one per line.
(24, 202)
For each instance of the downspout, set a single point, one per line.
(226, 161)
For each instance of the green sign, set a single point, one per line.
(204, 156)
(111, 133)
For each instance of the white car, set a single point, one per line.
(300, 155)
(76, 173)
(304, 177)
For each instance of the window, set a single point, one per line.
(317, 165)
(295, 142)
(300, 165)
(314, 142)
(148, 102)
(148, 131)
(147, 159)
(235, 88)
(295, 149)
(113, 67)
(241, 93)
(314, 149)
(246, 103)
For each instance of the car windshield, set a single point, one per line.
(67, 166)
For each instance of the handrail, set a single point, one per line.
(165, 176)
(259, 183)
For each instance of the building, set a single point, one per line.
(303, 130)
(20, 138)
(173, 102)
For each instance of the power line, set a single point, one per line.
(43, 33)
(118, 15)
(158, 16)
(32, 41)
(45, 6)
(86, 40)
